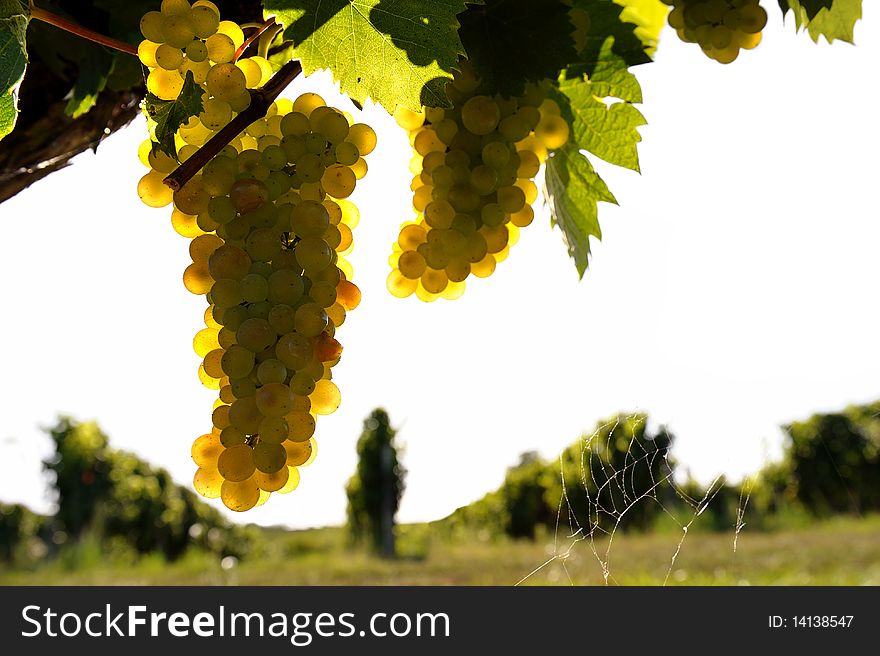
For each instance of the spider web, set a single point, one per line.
(595, 527)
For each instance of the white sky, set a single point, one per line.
(732, 292)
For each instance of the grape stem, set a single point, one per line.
(253, 37)
(79, 30)
(261, 99)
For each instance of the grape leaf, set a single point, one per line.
(811, 7)
(835, 20)
(94, 66)
(13, 59)
(397, 52)
(84, 64)
(169, 115)
(606, 129)
(573, 190)
(649, 16)
(500, 39)
(608, 37)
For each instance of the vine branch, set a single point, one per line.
(79, 30)
(253, 37)
(260, 101)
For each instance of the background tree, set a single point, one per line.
(614, 476)
(375, 489)
(833, 460)
(114, 494)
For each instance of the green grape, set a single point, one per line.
(273, 399)
(220, 48)
(275, 482)
(152, 190)
(270, 457)
(271, 371)
(215, 114)
(307, 102)
(166, 85)
(412, 264)
(169, 57)
(197, 51)
(323, 293)
(177, 30)
(243, 387)
(225, 81)
(299, 452)
(232, 436)
(363, 137)
(274, 430)
(309, 219)
(302, 383)
(511, 199)
(192, 197)
(147, 53)
(226, 293)
(254, 288)
(347, 153)
(480, 115)
(220, 417)
(171, 7)
(205, 340)
(281, 318)
(237, 362)
(205, 21)
(240, 496)
(248, 194)
(255, 334)
(245, 415)
(236, 463)
(205, 450)
(326, 397)
(285, 286)
(338, 180)
(313, 254)
(310, 319)
(208, 482)
(153, 27)
(294, 350)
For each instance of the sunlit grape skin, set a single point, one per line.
(268, 227)
(721, 27)
(473, 166)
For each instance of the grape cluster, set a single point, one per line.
(473, 167)
(270, 228)
(720, 27)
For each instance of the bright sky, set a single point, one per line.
(732, 292)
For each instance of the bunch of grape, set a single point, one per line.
(721, 27)
(270, 226)
(473, 166)
(182, 39)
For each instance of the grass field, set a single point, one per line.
(836, 552)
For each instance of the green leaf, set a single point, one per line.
(500, 39)
(13, 59)
(649, 16)
(124, 18)
(608, 37)
(573, 190)
(397, 52)
(85, 65)
(169, 115)
(833, 20)
(606, 129)
(811, 7)
(94, 66)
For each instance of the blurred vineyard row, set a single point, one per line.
(621, 477)
(117, 501)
